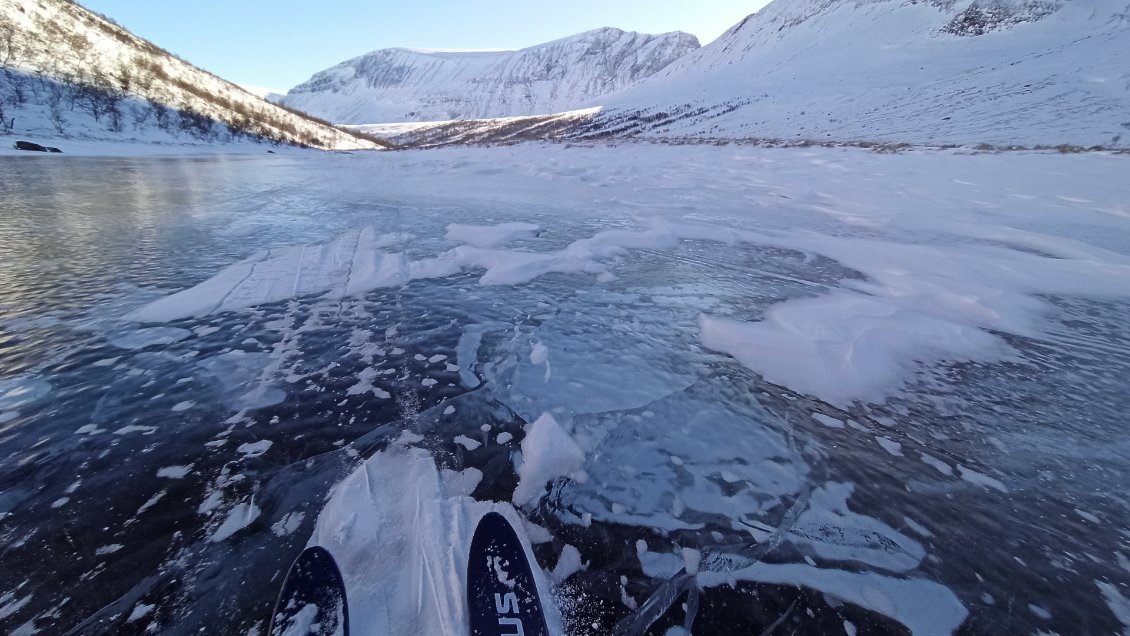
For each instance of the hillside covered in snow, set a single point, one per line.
(66, 72)
(919, 71)
(400, 85)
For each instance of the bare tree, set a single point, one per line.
(57, 119)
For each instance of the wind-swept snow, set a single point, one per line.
(893, 71)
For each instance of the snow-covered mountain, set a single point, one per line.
(398, 85)
(927, 71)
(66, 72)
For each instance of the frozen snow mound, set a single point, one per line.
(403, 85)
(1002, 72)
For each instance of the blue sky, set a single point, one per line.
(280, 43)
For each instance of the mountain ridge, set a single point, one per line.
(404, 84)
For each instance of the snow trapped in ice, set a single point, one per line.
(757, 387)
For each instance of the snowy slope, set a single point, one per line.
(66, 72)
(394, 85)
(942, 71)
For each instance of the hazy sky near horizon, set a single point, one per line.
(281, 43)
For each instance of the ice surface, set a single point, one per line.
(243, 380)
(490, 235)
(142, 338)
(836, 533)
(892, 267)
(20, 392)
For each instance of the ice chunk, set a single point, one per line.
(539, 353)
(830, 422)
(140, 611)
(467, 442)
(980, 479)
(548, 452)
(691, 560)
(892, 447)
(567, 564)
(938, 464)
(288, 525)
(241, 516)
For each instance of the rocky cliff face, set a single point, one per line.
(65, 71)
(920, 71)
(393, 85)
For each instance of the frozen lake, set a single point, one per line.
(827, 390)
